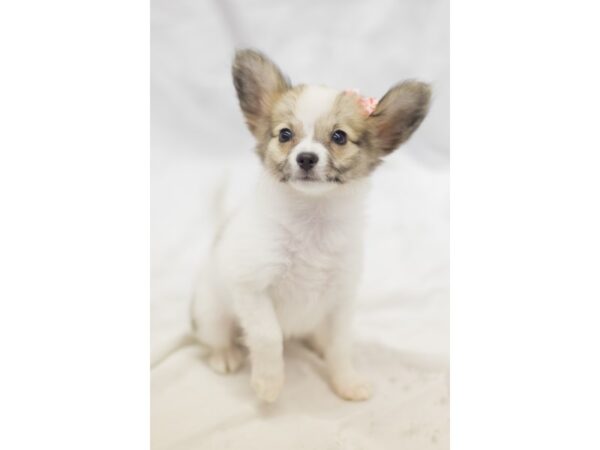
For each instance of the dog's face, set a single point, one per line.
(316, 138)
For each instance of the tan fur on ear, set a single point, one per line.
(259, 83)
(398, 114)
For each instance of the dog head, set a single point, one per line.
(316, 138)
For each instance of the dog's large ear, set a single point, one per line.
(398, 114)
(258, 82)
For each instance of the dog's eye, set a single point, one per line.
(339, 137)
(285, 135)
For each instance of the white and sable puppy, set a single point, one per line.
(286, 264)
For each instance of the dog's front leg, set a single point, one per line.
(264, 340)
(335, 342)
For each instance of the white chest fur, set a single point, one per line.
(304, 251)
(319, 258)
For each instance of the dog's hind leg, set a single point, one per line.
(217, 330)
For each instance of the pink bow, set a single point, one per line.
(367, 103)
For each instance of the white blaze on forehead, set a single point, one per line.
(314, 102)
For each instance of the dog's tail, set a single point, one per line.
(217, 210)
(217, 216)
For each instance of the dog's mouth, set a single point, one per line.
(286, 174)
(312, 184)
(310, 178)
(307, 178)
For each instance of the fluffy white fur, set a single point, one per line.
(286, 265)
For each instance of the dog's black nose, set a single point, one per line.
(307, 160)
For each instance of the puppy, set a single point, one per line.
(287, 263)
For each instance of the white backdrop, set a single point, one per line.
(198, 139)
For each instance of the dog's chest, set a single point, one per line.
(315, 261)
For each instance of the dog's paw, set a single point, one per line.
(353, 388)
(226, 360)
(267, 384)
